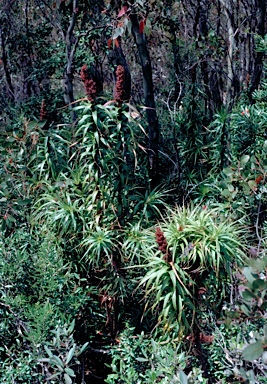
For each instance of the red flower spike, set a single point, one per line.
(120, 80)
(88, 83)
(43, 111)
(163, 245)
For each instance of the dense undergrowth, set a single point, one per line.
(105, 280)
(93, 263)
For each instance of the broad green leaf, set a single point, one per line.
(259, 284)
(84, 347)
(128, 25)
(228, 171)
(154, 345)
(244, 159)
(226, 193)
(245, 309)
(248, 295)
(71, 327)
(53, 376)
(118, 32)
(253, 351)
(247, 271)
(153, 376)
(57, 361)
(67, 379)
(48, 351)
(252, 184)
(70, 354)
(44, 360)
(183, 377)
(70, 372)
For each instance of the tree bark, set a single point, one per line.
(231, 48)
(152, 120)
(5, 65)
(260, 30)
(71, 42)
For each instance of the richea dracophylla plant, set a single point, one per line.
(189, 267)
(195, 252)
(100, 200)
(103, 184)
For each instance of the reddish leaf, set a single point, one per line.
(109, 43)
(116, 41)
(259, 179)
(122, 11)
(141, 26)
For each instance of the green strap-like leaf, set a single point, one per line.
(70, 354)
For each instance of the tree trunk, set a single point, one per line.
(231, 48)
(152, 120)
(260, 30)
(10, 92)
(71, 44)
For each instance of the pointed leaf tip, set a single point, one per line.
(123, 11)
(141, 26)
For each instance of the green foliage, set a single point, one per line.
(95, 199)
(227, 363)
(98, 186)
(19, 367)
(62, 356)
(38, 290)
(218, 139)
(201, 249)
(80, 253)
(240, 184)
(253, 120)
(183, 149)
(253, 304)
(141, 359)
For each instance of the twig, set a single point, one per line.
(257, 226)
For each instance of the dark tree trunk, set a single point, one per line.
(205, 57)
(71, 42)
(5, 65)
(26, 59)
(258, 65)
(152, 120)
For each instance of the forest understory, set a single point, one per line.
(133, 192)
